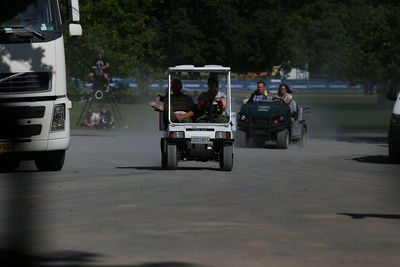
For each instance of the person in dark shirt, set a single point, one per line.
(181, 104)
(261, 94)
(212, 104)
(100, 68)
(106, 120)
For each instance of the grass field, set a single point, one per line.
(348, 113)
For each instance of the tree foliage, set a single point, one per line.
(351, 39)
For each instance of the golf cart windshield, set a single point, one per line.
(39, 22)
(204, 96)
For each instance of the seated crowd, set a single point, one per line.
(101, 120)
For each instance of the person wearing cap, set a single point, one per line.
(212, 104)
(181, 104)
(260, 94)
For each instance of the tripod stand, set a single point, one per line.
(101, 95)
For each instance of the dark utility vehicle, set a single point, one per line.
(258, 122)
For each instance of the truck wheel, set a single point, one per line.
(8, 163)
(394, 156)
(50, 160)
(172, 157)
(282, 139)
(226, 160)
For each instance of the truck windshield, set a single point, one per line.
(39, 22)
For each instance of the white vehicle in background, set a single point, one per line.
(33, 95)
(209, 141)
(394, 128)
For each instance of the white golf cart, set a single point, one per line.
(196, 141)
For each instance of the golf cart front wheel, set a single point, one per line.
(282, 139)
(172, 157)
(226, 160)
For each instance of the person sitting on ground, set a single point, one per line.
(92, 119)
(212, 104)
(181, 104)
(106, 120)
(260, 94)
(285, 95)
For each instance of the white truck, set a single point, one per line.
(34, 107)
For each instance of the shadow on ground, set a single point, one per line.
(158, 168)
(71, 259)
(376, 159)
(370, 215)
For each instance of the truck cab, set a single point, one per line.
(34, 107)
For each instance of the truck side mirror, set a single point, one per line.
(392, 94)
(74, 5)
(75, 29)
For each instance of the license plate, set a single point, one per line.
(5, 148)
(200, 140)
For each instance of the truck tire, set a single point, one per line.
(50, 160)
(226, 160)
(8, 163)
(172, 157)
(282, 139)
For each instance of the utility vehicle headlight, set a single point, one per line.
(395, 120)
(58, 123)
(222, 135)
(243, 117)
(177, 134)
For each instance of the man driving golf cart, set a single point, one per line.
(212, 104)
(261, 94)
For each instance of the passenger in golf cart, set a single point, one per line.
(261, 94)
(212, 104)
(181, 104)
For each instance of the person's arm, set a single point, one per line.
(107, 65)
(250, 98)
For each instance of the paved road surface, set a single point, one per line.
(113, 205)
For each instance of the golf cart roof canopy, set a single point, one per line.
(192, 68)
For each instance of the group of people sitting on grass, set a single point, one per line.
(101, 120)
(211, 104)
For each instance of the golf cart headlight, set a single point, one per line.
(395, 120)
(222, 135)
(58, 123)
(177, 134)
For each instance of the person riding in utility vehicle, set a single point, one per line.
(181, 104)
(212, 104)
(285, 95)
(261, 94)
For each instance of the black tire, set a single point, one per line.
(226, 160)
(240, 139)
(172, 157)
(163, 156)
(282, 139)
(394, 155)
(50, 160)
(303, 138)
(8, 163)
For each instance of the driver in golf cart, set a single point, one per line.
(181, 105)
(212, 104)
(261, 94)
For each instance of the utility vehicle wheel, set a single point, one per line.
(282, 139)
(303, 138)
(163, 156)
(8, 163)
(50, 160)
(394, 156)
(240, 139)
(172, 157)
(250, 142)
(226, 160)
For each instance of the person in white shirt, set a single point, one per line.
(286, 96)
